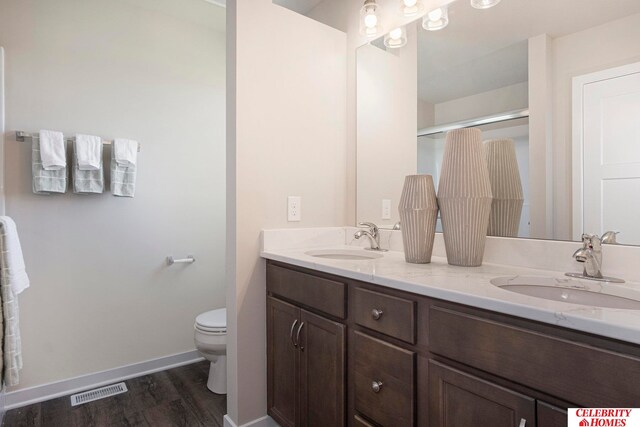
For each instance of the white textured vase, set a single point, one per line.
(506, 186)
(418, 216)
(464, 197)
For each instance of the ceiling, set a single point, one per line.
(301, 6)
(482, 50)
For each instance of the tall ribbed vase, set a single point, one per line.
(464, 197)
(418, 216)
(506, 187)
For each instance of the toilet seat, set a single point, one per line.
(212, 322)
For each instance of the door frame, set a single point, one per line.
(2, 119)
(578, 84)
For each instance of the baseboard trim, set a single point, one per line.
(260, 422)
(28, 396)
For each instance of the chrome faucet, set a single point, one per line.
(590, 254)
(373, 234)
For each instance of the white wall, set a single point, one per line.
(387, 119)
(101, 295)
(606, 46)
(287, 136)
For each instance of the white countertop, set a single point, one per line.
(471, 286)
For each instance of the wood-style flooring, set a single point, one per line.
(177, 397)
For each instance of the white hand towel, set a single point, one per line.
(125, 152)
(52, 150)
(12, 262)
(88, 152)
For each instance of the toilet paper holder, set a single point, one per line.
(188, 260)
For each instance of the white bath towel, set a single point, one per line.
(52, 150)
(125, 152)
(88, 149)
(15, 271)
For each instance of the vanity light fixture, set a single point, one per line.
(484, 4)
(437, 19)
(396, 38)
(411, 7)
(369, 25)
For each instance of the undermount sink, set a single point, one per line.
(345, 254)
(565, 290)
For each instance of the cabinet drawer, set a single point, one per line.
(384, 381)
(578, 372)
(386, 314)
(325, 295)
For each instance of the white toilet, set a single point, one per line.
(211, 342)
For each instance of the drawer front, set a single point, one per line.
(386, 314)
(324, 295)
(384, 381)
(574, 371)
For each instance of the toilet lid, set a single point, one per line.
(213, 320)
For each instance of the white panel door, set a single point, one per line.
(611, 157)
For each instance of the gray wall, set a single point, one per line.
(154, 71)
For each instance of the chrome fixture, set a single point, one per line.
(376, 314)
(373, 234)
(376, 386)
(484, 4)
(369, 19)
(410, 7)
(590, 254)
(188, 260)
(396, 38)
(396, 226)
(436, 19)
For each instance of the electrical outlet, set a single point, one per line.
(386, 208)
(294, 208)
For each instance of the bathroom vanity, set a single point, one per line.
(345, 351)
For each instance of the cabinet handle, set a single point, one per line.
(376, 314)
(376, 386)
(523, 422)
(293, 326)
(298, 336)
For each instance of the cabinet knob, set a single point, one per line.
(376, 314)
(523, 422)
(376, 386)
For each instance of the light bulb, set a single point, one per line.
(370, 20)
(435, 15)
(396, 38)
(484, 4)
(396, 34)
(411, 7)
(437, 19)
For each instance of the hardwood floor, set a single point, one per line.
(177, 397)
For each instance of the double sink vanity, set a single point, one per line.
(362, 338)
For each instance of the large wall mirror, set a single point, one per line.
(560, 80)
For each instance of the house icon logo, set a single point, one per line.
(584, 423)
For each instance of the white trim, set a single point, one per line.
(27, 396)
(260, 422)
(578, 138)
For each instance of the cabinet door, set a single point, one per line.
(322, 371)
(551, 416)
(457, 399)
(282, 360)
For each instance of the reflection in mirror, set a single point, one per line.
(559, 80)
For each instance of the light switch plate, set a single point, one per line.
(294, 208)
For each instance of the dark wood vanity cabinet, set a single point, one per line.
(369, 356)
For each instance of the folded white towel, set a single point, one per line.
(52, 150)
(13, 262)
(88, 152)
(125, 152)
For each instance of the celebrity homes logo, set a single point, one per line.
(604, 417)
